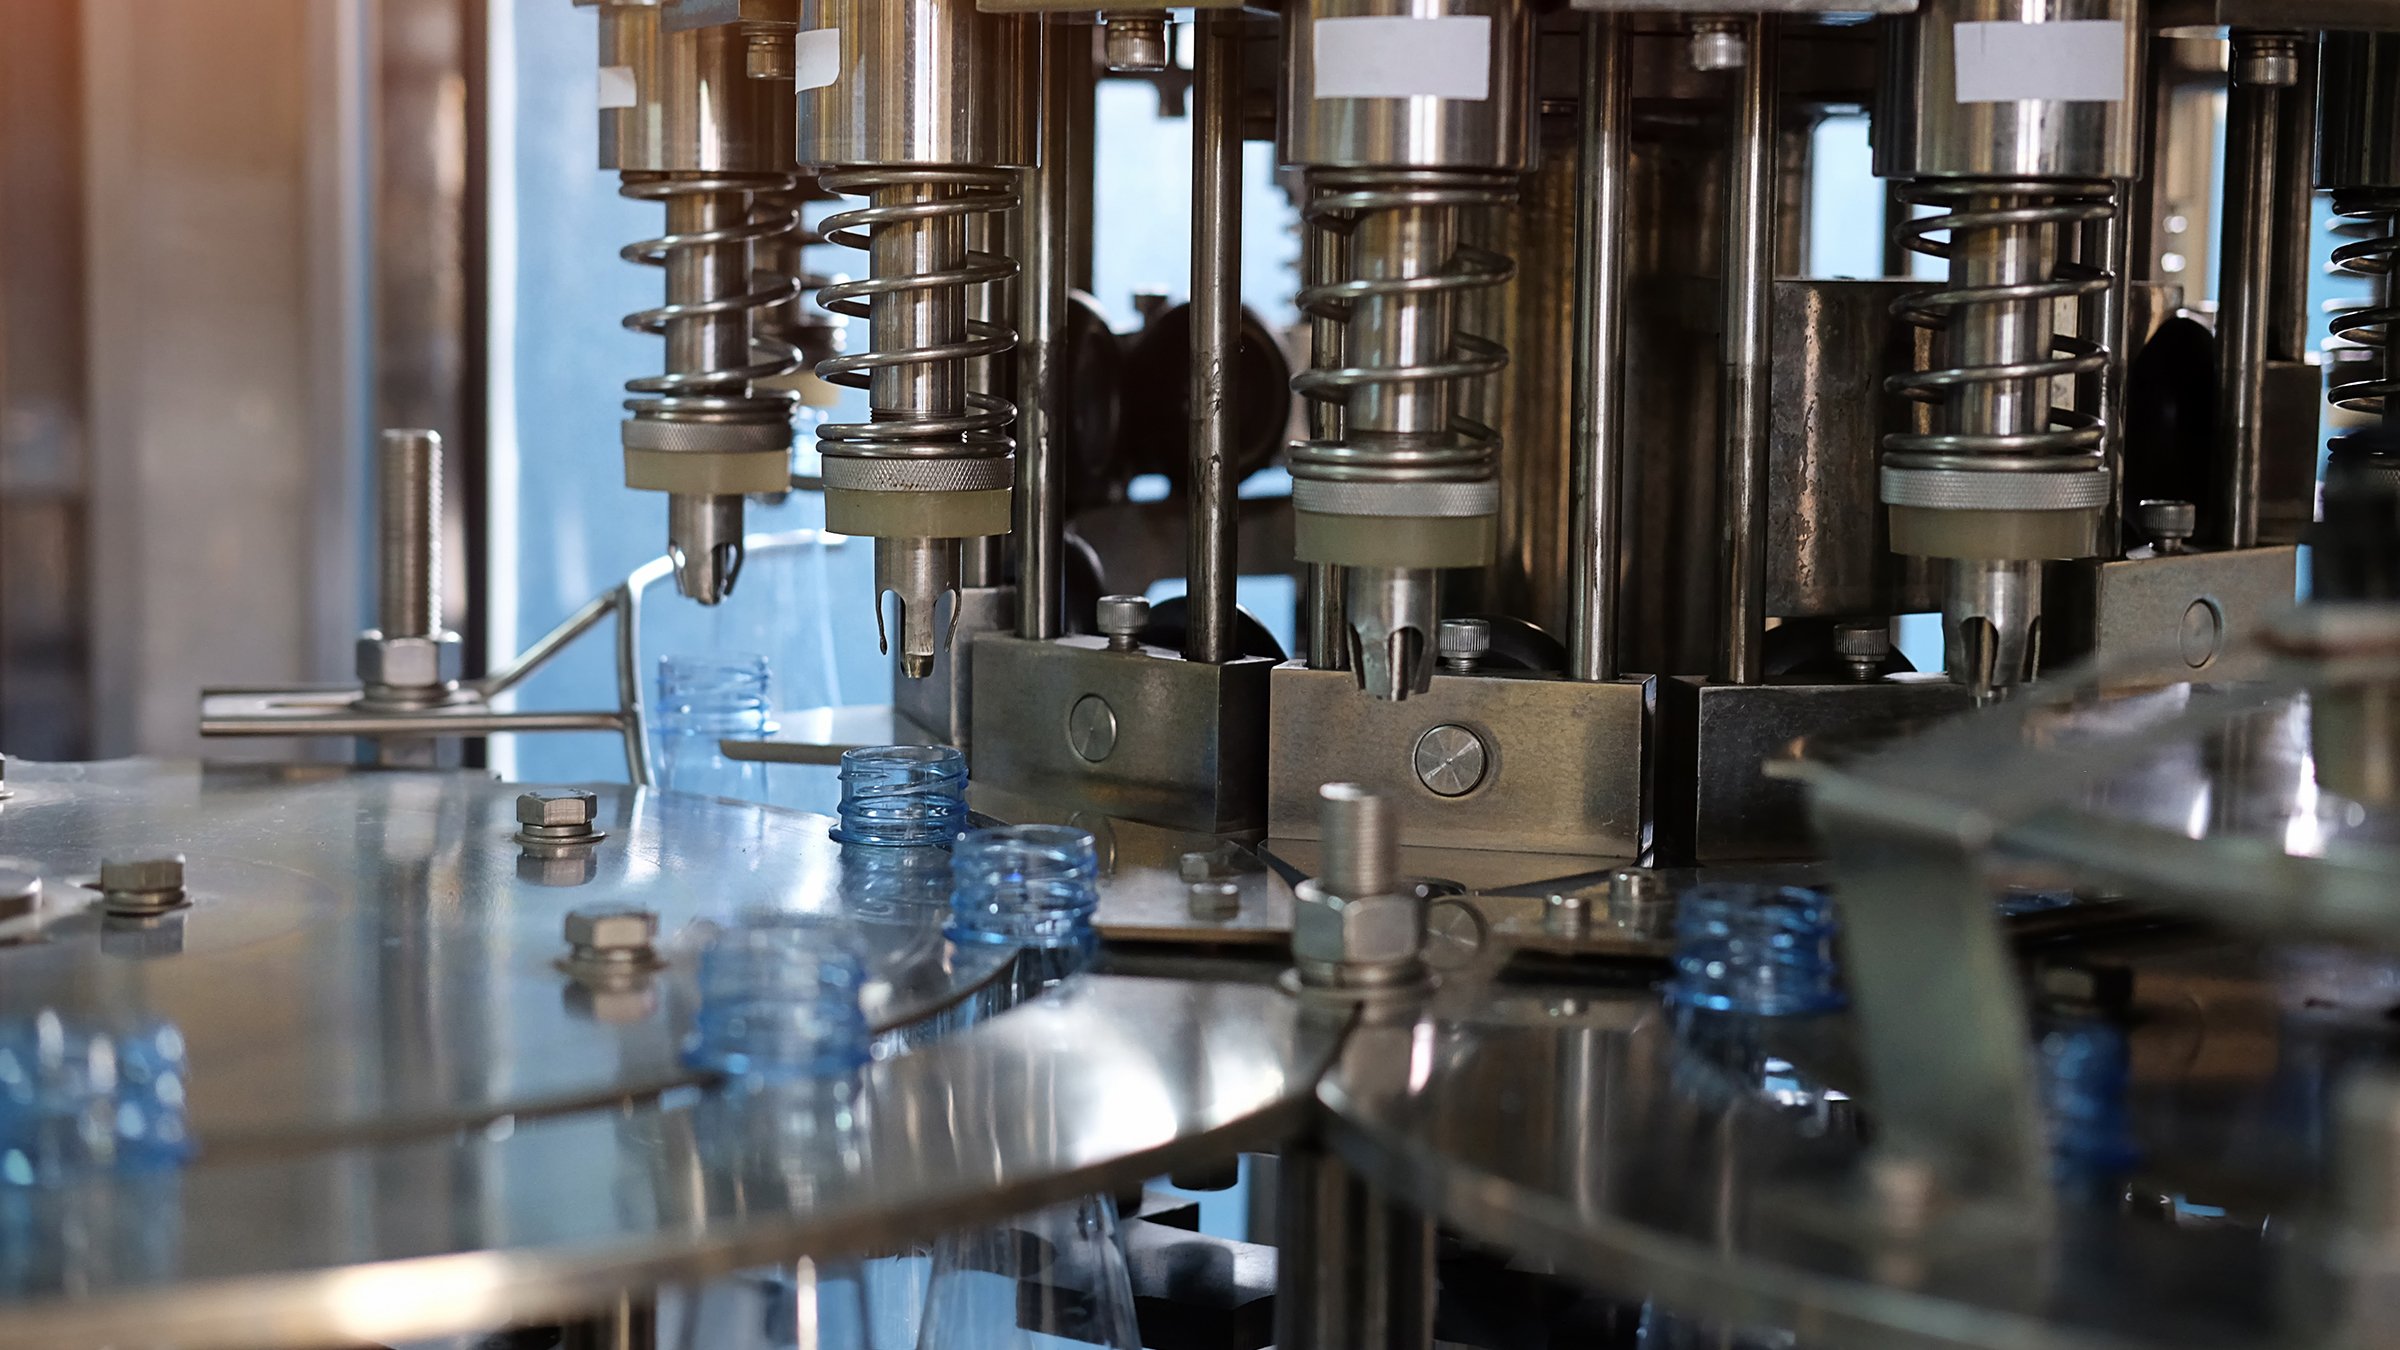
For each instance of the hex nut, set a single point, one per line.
(20, 893)
(407, 663)
(161, 873)
(1375, 933)
(554, 807)
(1213, 898)
(557, 867)
(611, 932)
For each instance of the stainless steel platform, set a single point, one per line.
(374, 956)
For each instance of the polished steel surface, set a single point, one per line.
(372, 955)
(912, 82)
(1585, 1134)
(1187, 752)
(694, 107)
(1046, 223)
(2183, 614)
(1597, 458)
(1417, 131)
(1101, 1085)
(1719, 749)
(1563, 772)
(1747, 391)
(2252, 217)
(1933, 134)
(1828, 547)
(1216, 335)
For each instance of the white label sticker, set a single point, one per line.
(817, 57)
(1385, 57)
(616, 87)
(2071, 61)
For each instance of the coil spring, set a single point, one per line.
(814, 332)
(983, 427)
(2072, 436)
(2369, 325)
(722, 392)
(1464, 454)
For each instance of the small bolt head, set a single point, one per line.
(2166, 521)
(1367, 939)
(1196, 866)
(556, 807)
(143, 875)
(1462, 639)
(1122, 617)
(1137, 43)
(1567, 915)
(1717, 44)
(20, 893)
(1215, 898)
(1863, 642)
(607, 931)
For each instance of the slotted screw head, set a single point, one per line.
(162, 873)
(611, 930)
(554, 807)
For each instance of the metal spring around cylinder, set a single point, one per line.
(2072, 437)
(813, 331)
(900, 198)
(719, 392)
(1464, 453)
(2369, 325)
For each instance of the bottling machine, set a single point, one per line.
(1598, 932)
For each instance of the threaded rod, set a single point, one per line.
(408, 595)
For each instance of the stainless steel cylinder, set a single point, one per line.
(2358, 143)
(2012, 89)
(1748, 301)
(2264, 64)
(917, 82)
(408, 555)
(1429, 84)
(1597, 483)
(1216, 336)
(684, 102)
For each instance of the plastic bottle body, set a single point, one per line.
(703, 700)
(1034, 887)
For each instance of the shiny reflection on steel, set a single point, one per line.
(1573, 1141)
(1603, 119)
(1102, 1085)
(473, 711)
(1749, 273)
(388, 916)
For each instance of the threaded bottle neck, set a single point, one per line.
(908, 796)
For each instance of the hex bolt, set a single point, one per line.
(558, 816)
(1362, 852)
(617, 939)
(1196, 866)
(2169, 523)
(1864, 645)
(20, 893)
(1639, 903)
(142, 885)
(408, 509)
(1460, 644)
(1138, 43)
(1122, 618)
(1717, 44)
(1214, 898)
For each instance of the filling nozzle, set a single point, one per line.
(1391, 617)
(916, 573)
(1992, 625)
(704, 538)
